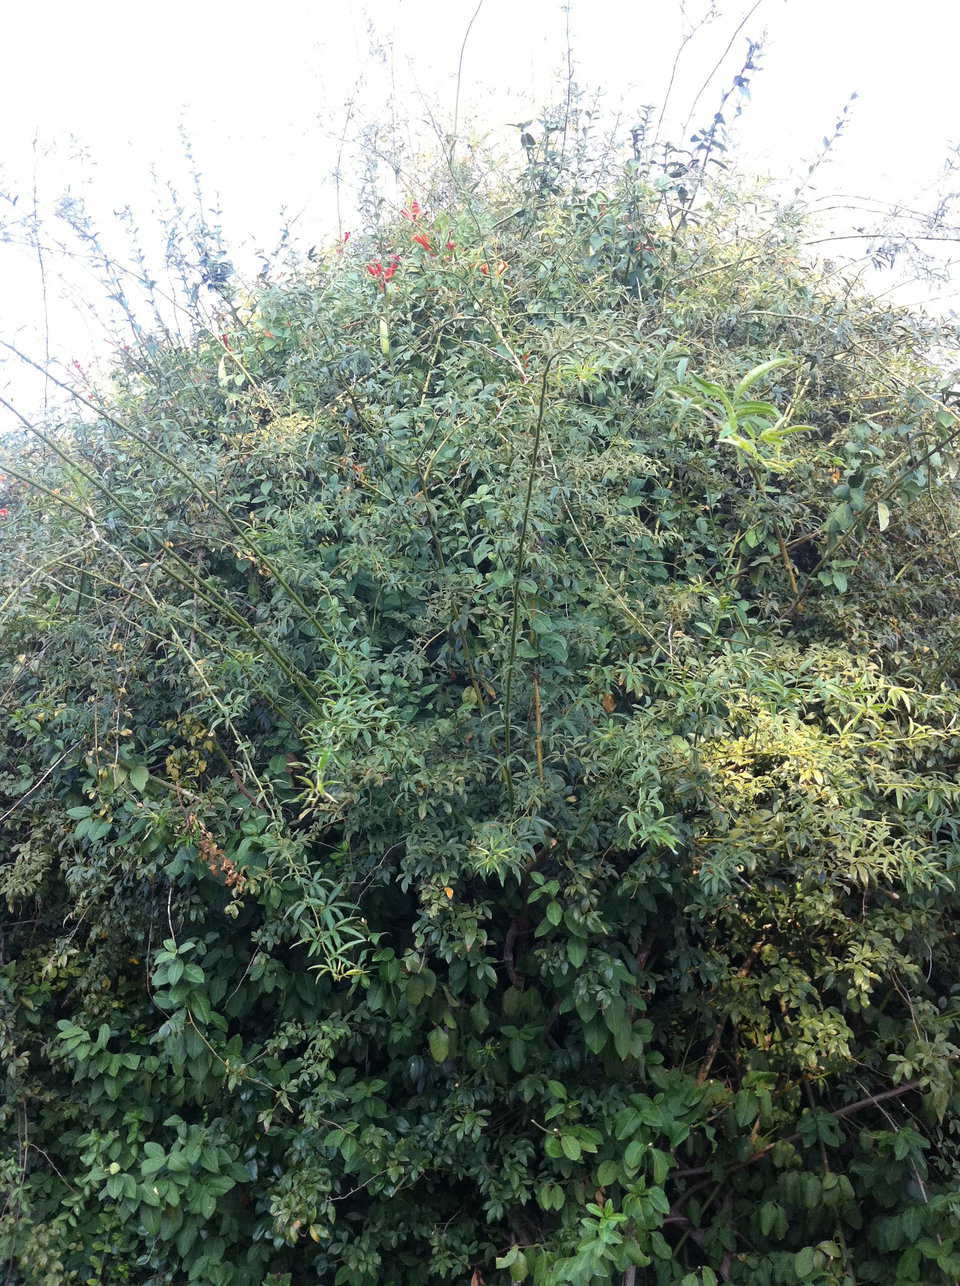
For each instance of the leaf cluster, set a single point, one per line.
(459, 819)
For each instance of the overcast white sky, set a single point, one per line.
(257, 85)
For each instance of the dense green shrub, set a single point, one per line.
(478, 783)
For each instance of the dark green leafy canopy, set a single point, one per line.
(478, 777)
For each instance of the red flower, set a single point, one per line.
(451, 245)
(423, 240)
(4, 512)
(346, 238)
(413, 213)
(376, 269)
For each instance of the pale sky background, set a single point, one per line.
(259, 87)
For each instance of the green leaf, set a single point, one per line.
(660, 1246)
(576, 951)
(571, 1147)
(200, 1007)
(554, 645)
(662, 1164)
(479, 1017)
(439, 1043)
(634, 1154)
(517, 1051)
(803, 1262)
(840, 518)
(595, 1035)
(757, 373)
(745, 1108)
(518, 1269)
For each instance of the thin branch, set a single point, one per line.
(714, 1046)
(456, 100)
(850, 1110)
(673, 70)
(706, 84)
(518, 572)
(36, 786)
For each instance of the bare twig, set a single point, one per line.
(706, 84)
(456, 100)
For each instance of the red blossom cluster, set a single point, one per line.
(383, 272)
